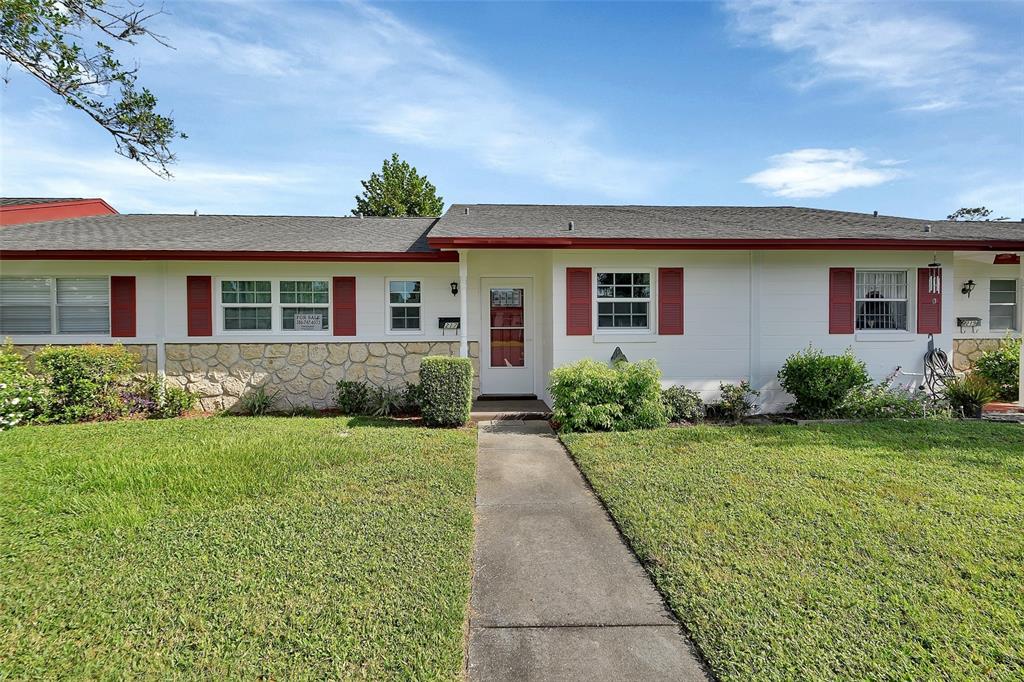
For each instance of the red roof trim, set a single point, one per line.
(765, 244)
(336, 256)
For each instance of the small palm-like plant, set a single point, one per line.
(968, 394)
(259, 402)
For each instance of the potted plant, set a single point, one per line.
(968, 394)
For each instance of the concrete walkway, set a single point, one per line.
(557, 595)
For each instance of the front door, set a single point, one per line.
(506, 344)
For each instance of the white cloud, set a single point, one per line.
(804, 173)
(45, 168)
(932, 62)
(359, 66)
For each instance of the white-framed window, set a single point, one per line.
(54, 305)
(1002, 304)
(405, 301)
(623, 300)
(246, 305)
(305, 305)
(882, 300)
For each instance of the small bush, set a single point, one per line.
(821, 382)
(154, 397)
(85, 381)
(446, 384)
(258, 403)
(1002, 368)
(353, 397)
(682, 404)
(886, 401)
(591, 396)
(22, 396)
(969, 393)
(736, 402)
(412, 399)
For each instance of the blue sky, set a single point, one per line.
(908, 109)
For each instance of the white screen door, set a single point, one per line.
(506, 359)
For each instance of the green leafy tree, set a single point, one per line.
(978, 213)
(62, 43)
(398, 190)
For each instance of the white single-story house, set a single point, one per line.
(223, 304)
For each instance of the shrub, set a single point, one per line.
(258, 403)
(412, 399)
(591, 396)
(682, 404)
(446, 384)
(353, 397)
(821, 382)
(969, 393)
(156, 398)
(22, 396)
(85, 381)
(885, 401)
(736, 402)
(1002, 368)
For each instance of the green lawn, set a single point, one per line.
(235, 548)
(889, 550)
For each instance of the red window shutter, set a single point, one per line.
(122, 306)
(929, 305)
(841, 284)
(344, 306)
(199, 294)
(578, 302)
(670, 301)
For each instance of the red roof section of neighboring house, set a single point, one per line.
(14, 211)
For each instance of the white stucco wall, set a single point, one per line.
(979, 267)
(745, 312)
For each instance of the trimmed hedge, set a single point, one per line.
(591, 396)
(819, 382)
(85, 381)
(446, 388)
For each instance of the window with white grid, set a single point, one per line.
(246, 304)
(404, 304)
(1002, 304)
(882, 300)
(623, 300)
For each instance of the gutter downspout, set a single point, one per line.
(161, 347)
(754, 330)
(463, 303)
(1020, 378)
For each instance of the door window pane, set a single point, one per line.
(508, 339)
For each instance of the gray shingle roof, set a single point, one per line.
(29, 201)
(702, 222)
(133, 232)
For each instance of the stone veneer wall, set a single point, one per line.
(303, 374)
(967, 351)
(145, 352)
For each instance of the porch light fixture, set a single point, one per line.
(968, 287)
(455, 288)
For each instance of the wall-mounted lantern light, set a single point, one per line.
(455, 288)
(968, 287)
